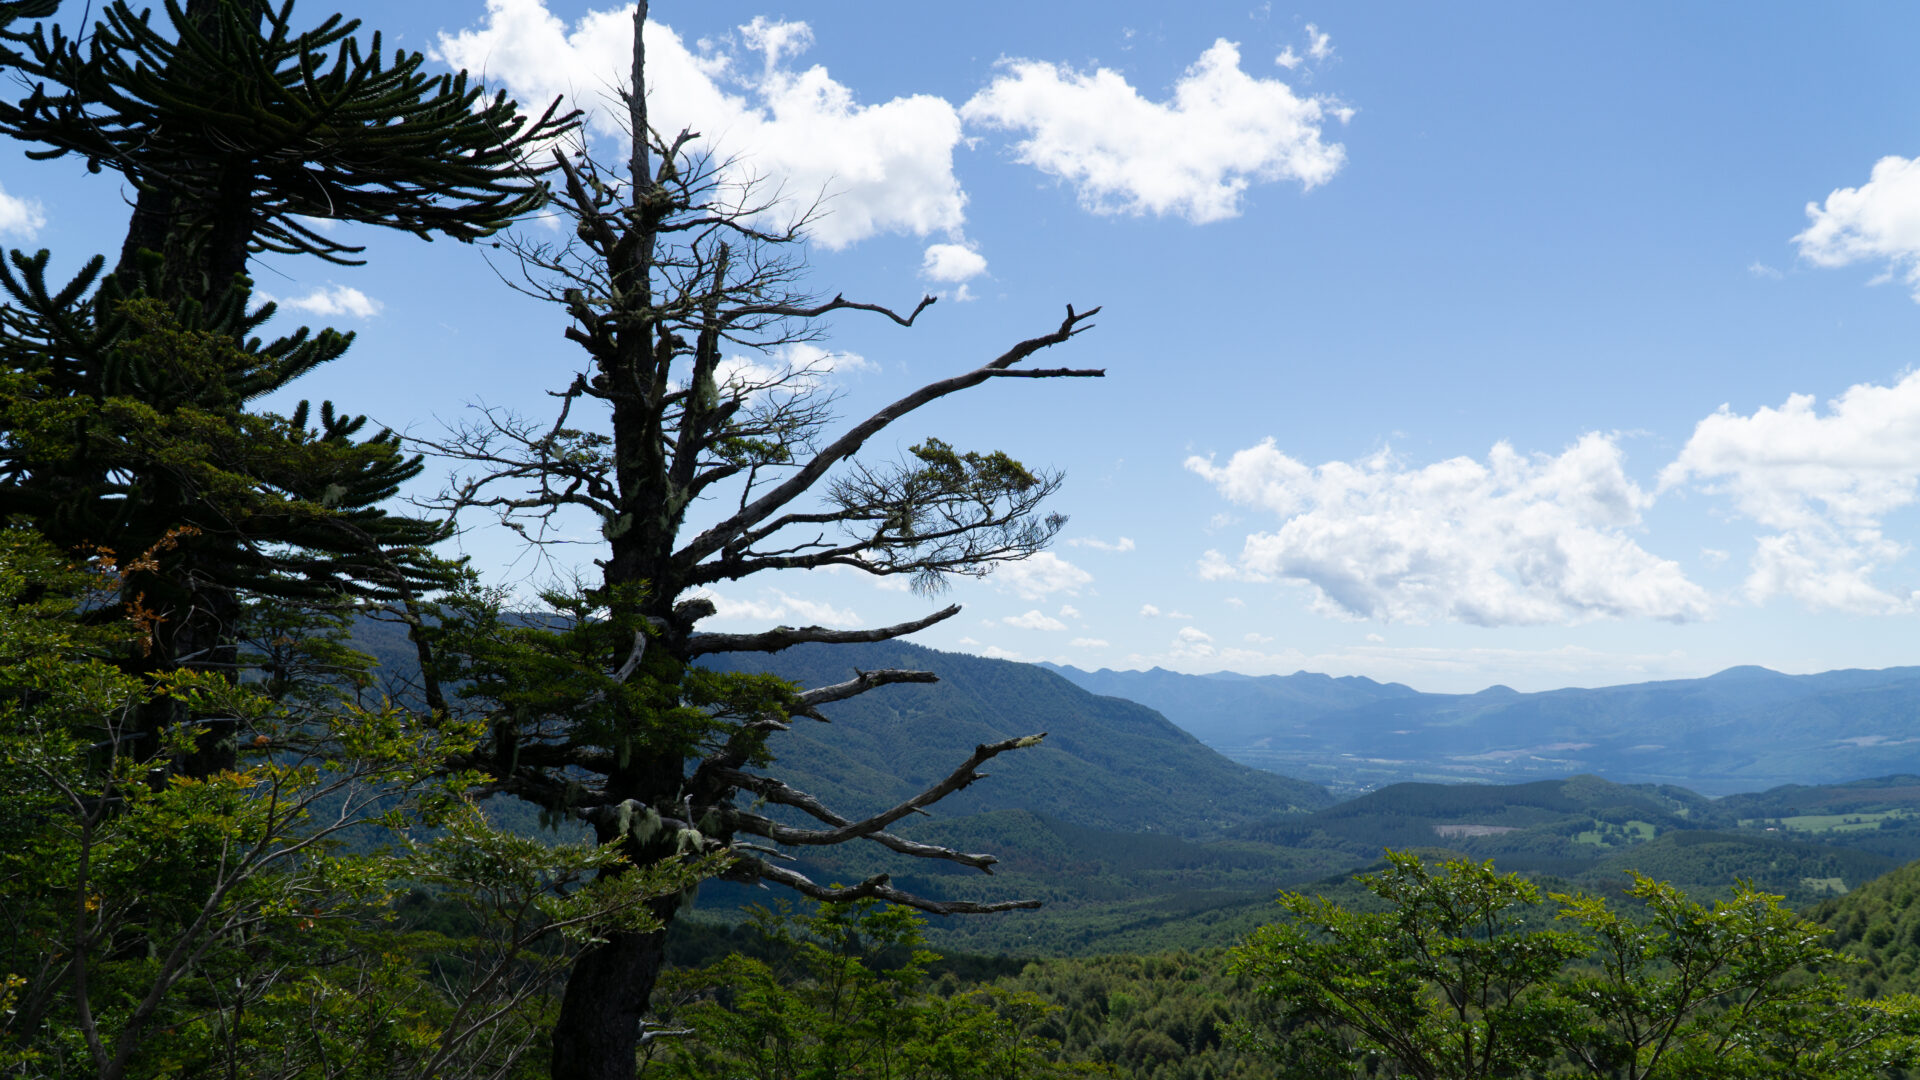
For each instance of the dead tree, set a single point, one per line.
(672, 267)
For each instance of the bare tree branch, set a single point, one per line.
(875, 887)
(957, 780)
(864, 681)
(760, 825)
(784, 637)
(718, 536)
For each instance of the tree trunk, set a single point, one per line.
(597, 1036)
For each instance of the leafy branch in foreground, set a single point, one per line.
(155, 923)
(845, 992)
(1461, 975)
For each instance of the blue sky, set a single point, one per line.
(1454, 345)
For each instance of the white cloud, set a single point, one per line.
(1289, 59)
(1191, 643)
(1068, 611)
(1319, 45)
(797, 366)
(1257, 638)
(1823, 482)
(1762, 270)
(1214, 566)
(1088, 643)
(1515, 540)
(1121, 545)
(331, 301)
(1193, 156)
(885, 168)
(951, 263)
(778, 607)
(20, 217)
(1879, 221)
(1034, 620)
(1148, 611)
(1036, 576)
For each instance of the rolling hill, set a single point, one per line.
(1105, 764)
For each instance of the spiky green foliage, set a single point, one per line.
(234, 125)
(128, 399)
(128, 431)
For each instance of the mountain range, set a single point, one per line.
(1744, 729)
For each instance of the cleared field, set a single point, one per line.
(1819, 823)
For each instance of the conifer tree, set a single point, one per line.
(127, 395)
(236, 127)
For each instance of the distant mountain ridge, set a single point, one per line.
(1742, 729)
(1105, 764)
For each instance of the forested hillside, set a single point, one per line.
(1106, 763)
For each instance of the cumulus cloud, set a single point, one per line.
(1034, 620)
(1088, 643)
(1512, 540)
(1192, 156)
(885, 167)
(777, 606)
(1037, 576)
(1879, 221)
(1120, 545)
(1068, 611)
(1192, 643)
(1149, 611)
(331, 301)
(1289, 59)
(1214, 566)
(952, 263)
(20, 217)
(1823, 481)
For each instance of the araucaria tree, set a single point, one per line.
(707, 471)
(125, 396)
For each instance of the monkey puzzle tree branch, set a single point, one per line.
(875, 887)
(783, 637)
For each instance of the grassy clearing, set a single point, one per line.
(1824, 823)
(1603, 835)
